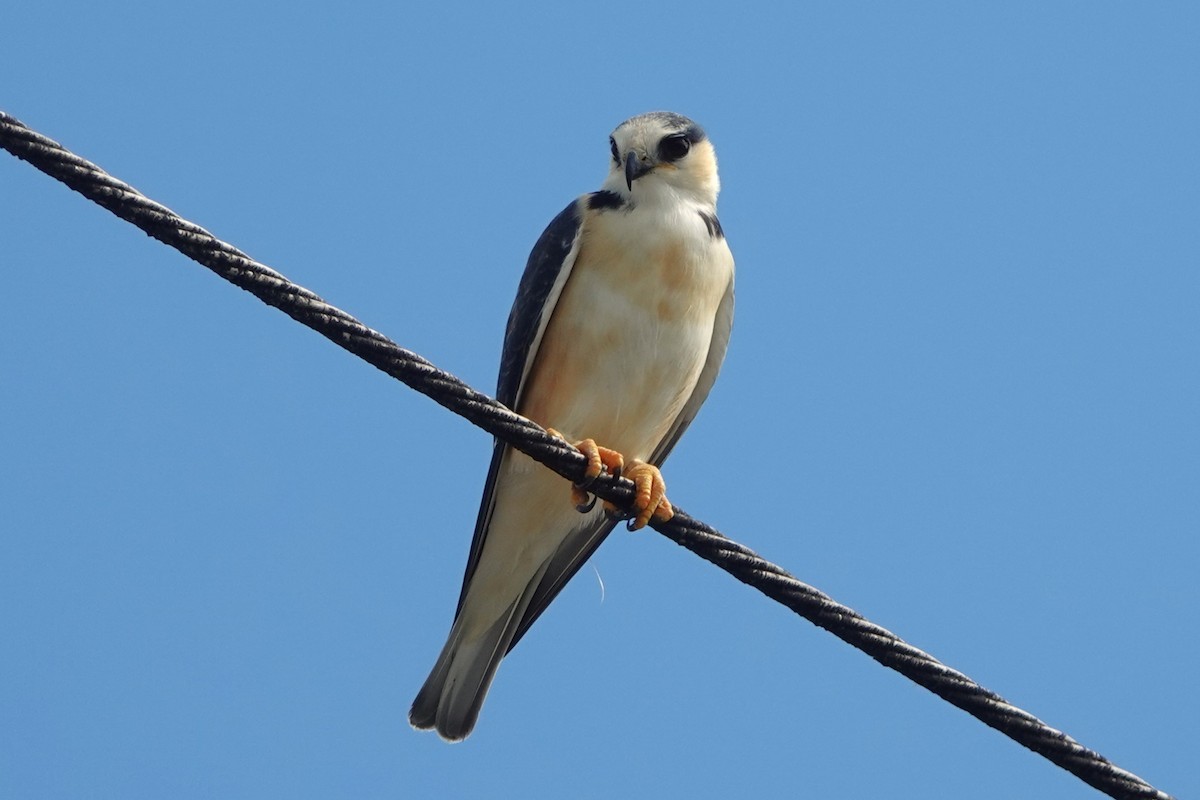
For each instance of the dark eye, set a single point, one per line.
(673, 148)
(612, 145)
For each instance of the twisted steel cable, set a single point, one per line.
(738, 560)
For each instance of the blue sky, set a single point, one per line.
(961, 397)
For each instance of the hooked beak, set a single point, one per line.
(635, 168)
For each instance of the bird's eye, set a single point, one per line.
(616, 154)
(673, 148)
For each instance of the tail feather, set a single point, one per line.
(423, 714)
(454, 692)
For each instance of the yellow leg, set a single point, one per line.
(599, 459)
(650, 499)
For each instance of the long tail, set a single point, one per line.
(456, 688)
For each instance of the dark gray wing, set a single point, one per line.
(570, 556)
(553, 253)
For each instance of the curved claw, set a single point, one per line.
(649, 500)
(600, 460)
(651, 497)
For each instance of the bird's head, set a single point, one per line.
(662, 156)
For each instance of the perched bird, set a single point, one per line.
(618, 331)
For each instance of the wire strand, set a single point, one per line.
(738, 560)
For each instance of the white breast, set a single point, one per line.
(630, 333)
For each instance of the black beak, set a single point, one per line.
(634, 169)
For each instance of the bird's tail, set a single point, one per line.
(456, 688)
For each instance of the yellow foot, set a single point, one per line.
(599, 459)
(650, 500)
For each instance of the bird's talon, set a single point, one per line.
(580, 499)
(600, 460)
(650, 499)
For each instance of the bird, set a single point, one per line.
(619, 328)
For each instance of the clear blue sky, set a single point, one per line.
(962, 397)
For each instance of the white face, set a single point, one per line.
(661, 156)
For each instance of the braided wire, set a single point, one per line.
(447, 390)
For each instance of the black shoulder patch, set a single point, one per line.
(598, 201)
(713, 224)
(540, 273)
